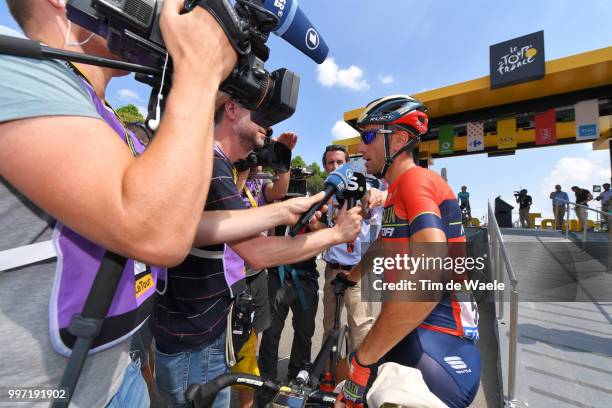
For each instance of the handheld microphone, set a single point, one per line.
(335, 183)
(295, 28)
(354, 192)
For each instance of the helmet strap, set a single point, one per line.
(389, 158)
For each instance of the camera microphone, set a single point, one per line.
(335, 183)
(295, 28)
(354, 192)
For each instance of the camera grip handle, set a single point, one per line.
(226, 16)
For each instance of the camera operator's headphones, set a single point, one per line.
(396, 111)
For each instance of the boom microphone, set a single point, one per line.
(295, 28)
(354, 192)
(335, 183)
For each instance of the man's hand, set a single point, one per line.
(295, 207)
(348, 224)
(358, 383)
(289, 139)
(374, 198)
(195, 40)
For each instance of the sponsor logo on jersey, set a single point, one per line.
(457, 364)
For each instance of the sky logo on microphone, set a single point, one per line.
(312, 39)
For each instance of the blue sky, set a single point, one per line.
(392, 46)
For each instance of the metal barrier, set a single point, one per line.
(584, 222)
(500, 261)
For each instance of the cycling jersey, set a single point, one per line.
(464, 197)
(421, 199)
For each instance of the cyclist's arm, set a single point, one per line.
(397, 319)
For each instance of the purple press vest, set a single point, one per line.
(78, 260)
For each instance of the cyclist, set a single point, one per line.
(464, 202)
(436, 337)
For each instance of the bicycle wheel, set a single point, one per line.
(341, 348)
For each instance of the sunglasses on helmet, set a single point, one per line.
(368, 136)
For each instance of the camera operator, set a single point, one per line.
(524, 201)
(258, 192)
(63, 164)
(190, 330)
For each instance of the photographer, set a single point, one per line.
(190, 330)
(65, 164)
(290, 287)
(524, 201)
(258, 192)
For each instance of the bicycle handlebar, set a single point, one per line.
(203, 395)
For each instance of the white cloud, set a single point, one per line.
(128, 94)
(329, 74)
(386, 79)
(593, 168)
(342, 130)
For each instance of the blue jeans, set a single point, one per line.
(175, 372)
(133, 392)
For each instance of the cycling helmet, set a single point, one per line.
(396, 111)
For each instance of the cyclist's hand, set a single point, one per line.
(374, 198)
(341, 282)
(358, 383)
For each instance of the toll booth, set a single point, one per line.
(473, 117)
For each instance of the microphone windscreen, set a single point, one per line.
(356, 187)
(295, 28)
(340, 177)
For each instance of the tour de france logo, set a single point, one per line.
(516, 58)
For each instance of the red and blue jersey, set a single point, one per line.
(421, 199)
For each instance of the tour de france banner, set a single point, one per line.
(546, 127)
(587, 119)
(446, 136)
(475, 136)
(518, 60)
(462, 272)
(506, 133)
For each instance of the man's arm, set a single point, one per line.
(276, 190)
(227, 226)
(262, 252)
(79, 171)
(397, 319)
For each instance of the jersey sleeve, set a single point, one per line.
(419, 196)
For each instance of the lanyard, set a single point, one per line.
(247, 191)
